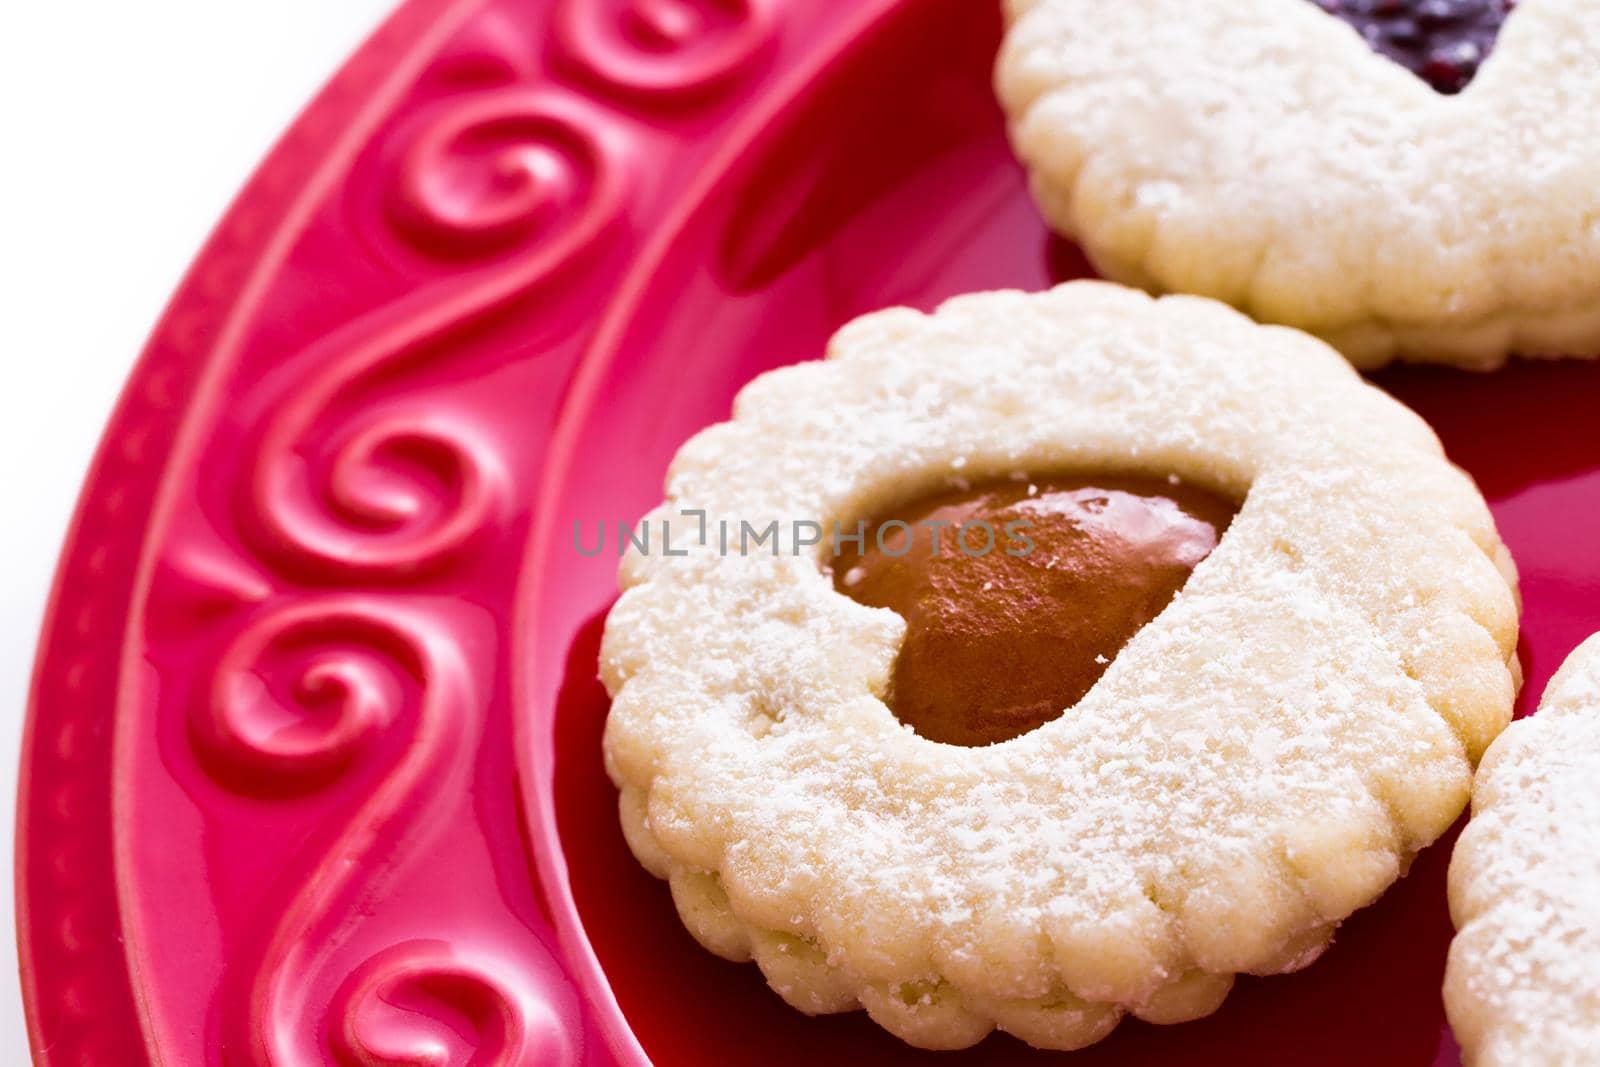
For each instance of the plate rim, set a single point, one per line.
(58, 973)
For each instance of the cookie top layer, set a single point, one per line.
(1523, 983)
(1257, 762)
(1261, 153)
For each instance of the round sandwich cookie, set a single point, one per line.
(1523, 981)
(1051, 658)
(1407, 179)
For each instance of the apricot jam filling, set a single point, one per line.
(1018, 594)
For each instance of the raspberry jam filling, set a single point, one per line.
(1443, 42)
(1017, 594)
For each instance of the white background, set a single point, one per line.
(125, 130)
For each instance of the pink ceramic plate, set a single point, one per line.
(313, 773)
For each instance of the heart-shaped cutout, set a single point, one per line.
(1018, 594)
(1443, 42)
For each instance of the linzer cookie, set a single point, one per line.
(1523, 982)
(1051, 658)
(1408, 179)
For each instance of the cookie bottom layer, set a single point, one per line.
(928, 1012)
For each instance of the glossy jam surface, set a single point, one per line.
(1443, 42)
(1018, 594)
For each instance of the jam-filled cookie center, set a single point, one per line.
(1017, 594)
(1443, 42)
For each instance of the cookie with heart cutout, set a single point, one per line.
(1048, 659)
(1312, 163)
(1523, 981)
